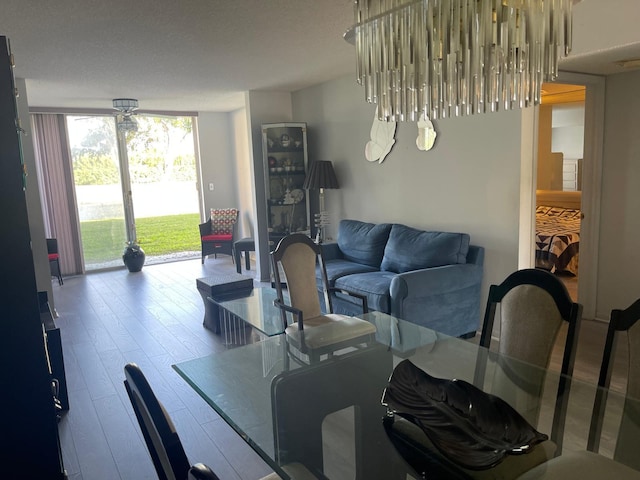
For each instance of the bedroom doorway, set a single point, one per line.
(561, 122)
(591, 193)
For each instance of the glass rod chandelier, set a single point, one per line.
(445, 58)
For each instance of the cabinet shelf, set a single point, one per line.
(286, 199)
(286, 150)
(286, 174)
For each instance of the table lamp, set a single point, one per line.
(321, 176)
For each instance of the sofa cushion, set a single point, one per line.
(339, 268)
(412, 249)
(362, 242)
(375, 285)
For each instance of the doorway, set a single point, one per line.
(560, 161)
(147, 192)
(591, 188)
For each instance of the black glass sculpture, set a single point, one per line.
(471, 428)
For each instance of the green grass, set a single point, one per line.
(104, 240)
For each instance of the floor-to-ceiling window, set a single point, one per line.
(96, 174)
(158, 168)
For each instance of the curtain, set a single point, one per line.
(57, 190)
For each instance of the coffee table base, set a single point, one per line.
(221, 287)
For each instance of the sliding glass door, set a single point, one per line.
(155, 174)
(96, 171)
(162, 169)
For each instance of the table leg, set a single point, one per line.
(236, 254)
(211, 314)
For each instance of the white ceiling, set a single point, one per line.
(201, 55)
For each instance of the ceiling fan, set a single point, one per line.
(126, 108)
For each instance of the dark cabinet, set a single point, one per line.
(31, 447)
(284, 147)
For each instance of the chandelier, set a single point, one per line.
(445, 58)
(126, 108)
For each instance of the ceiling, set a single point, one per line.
(202, 55)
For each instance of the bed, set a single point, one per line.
(558, 230)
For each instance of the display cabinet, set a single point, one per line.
(284, 147)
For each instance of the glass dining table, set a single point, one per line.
(328, 415)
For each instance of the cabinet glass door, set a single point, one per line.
(285, 157)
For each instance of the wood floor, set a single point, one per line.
(154, 318)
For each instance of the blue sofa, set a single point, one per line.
(428, 278)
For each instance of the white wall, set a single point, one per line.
(263, 107)
(568, 130)
(244, 170)
(619, 252)
(217, 158)
(469, 182)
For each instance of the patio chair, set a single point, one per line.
(217, 233)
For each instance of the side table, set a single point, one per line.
(220, 287)
(245, 245)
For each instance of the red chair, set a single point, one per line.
(54, 259)
(217, 233)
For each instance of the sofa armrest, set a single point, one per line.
(331, 251)
(436, 280)
(445, 299)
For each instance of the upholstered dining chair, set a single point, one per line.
(54, 259)
(217, 233)
(590, 465)
(313, 332)
(534, 304)
(626, 450)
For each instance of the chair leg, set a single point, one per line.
(56, 270)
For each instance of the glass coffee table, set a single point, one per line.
(248, 318)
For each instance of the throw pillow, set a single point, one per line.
(223, 220)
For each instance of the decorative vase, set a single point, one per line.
(133, 257)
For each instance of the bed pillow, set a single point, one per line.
(411, 249)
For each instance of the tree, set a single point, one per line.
(90, 169)
(155, 150)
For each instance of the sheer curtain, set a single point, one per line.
(57, 190)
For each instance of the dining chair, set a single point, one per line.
(54, 259)
(217, 233)
(534, 304)
(626, 450)
(160, 435)
(590, 465)
(313, 332)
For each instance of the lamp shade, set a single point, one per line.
(321, 175)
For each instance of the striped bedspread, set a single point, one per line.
(557, 239)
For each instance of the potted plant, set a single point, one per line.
(133, 256)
